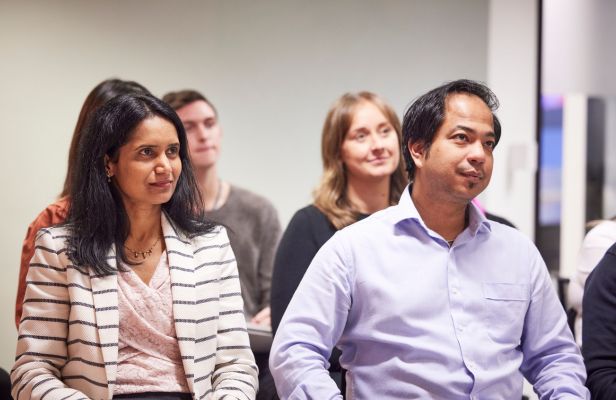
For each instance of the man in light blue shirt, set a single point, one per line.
(429, 299)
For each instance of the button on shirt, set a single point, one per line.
(415, 318)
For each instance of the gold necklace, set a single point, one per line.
(145, 253)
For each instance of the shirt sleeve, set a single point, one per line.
(295, 252)
(599, 332)
(552, 361)
(41, 345)
(312, 325)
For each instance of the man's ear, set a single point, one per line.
(417, 151)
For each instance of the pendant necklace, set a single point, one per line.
(144, 253)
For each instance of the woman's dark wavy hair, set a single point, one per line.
(97, 218)
(101, 93)
(425, 116)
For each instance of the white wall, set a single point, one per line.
(609, 192)
(271, 67)
(573, 197)
(578, 54)
(512, 74)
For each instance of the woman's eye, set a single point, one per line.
(385, 131)
(173, 150)
(146, 151)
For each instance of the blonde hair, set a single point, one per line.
(330, 194)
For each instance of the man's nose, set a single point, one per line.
(202, 132)
(477, 152)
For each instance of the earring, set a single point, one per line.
(108, 177)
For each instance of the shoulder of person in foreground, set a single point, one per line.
(599, 333)
(595, 244)
(53, 214)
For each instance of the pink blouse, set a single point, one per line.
(149, 358)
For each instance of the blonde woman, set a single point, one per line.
(362, 174)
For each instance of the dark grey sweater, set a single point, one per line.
(254, 230)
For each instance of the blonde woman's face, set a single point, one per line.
(370, 150)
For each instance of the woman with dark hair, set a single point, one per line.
(362, 174)
(55, 213)
(136, 295)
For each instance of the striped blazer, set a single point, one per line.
(68, 336)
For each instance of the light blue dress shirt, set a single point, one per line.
(416, 319)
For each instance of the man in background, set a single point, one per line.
(251, 220)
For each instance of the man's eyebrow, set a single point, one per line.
(471, 130)
(464, 128)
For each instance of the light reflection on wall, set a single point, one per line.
(550, 184)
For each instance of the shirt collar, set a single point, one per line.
(406, 210)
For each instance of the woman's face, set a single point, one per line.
(148, 165)
(370, 150)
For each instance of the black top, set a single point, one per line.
(500, 219)
(599, 330)
(307, 231)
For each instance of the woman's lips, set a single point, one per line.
(162, 184)
(378, 160)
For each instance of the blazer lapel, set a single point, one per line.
(183, 292)
(105, 302)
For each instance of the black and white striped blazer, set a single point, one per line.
(68, 336)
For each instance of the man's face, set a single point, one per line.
(458, 165)
(203, 133)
